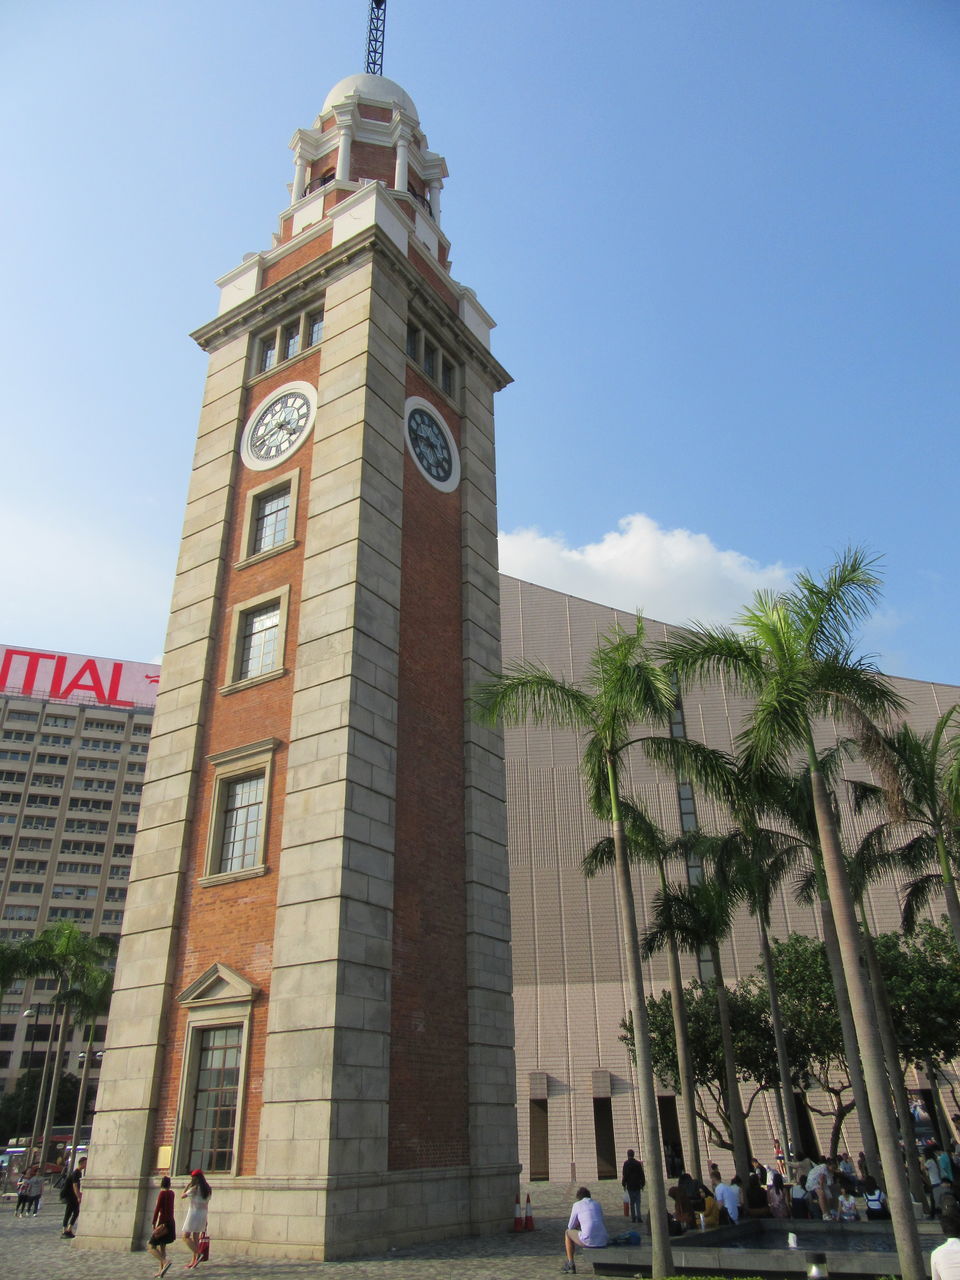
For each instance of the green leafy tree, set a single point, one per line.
(809, 1006)
(698, 917)
(754, 1051)
(794, 657)
(17, 1105)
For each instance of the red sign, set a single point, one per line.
(70, 677)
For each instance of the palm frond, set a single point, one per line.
(916, 898)
(527, 690)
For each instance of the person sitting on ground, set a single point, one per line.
(682, 1209)
(756, 1197)
(726, 1196)
(586, 1228)
(945, 1259)
(847, 1207)
(799, 1204)
(876, 1201)
(711, 1212)
(694, 1191)
(776, 1196)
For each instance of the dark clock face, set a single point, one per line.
(279, 426)
(430, 445)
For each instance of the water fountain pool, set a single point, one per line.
(759, 1247)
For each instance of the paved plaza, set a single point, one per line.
(31, 1247)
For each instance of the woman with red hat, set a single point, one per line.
(198, 1193)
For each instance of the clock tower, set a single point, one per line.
(313, 990)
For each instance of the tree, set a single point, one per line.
(794, 657)
(698, 917)
(624, 689)
(754, 1051)
(758, 860)
(17, 1105)
(648, 843)
(921, 792)
(809, 1007)
(72, 957)
(87, 1003)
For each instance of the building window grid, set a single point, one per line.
(271, 520)
(436, 363)
(215, 1099)
(259, 641)
(242, 823)
(289, 339)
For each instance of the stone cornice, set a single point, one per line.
(299, 288)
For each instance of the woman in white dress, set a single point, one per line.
(197, 1192)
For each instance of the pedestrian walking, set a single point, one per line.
(197, 1192)
(164, 1227)
(633, 1180)
(71, 1195)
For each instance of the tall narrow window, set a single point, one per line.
(291, 340)
(268, 352)
(429, 359)
(258, 644)
(215, 1100)
(242, 823)
(271, 520)
(413, 342)
(314, 328)
(447, 380)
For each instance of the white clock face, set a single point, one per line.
(431, 445)
(279, 426)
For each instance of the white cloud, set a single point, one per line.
(672, 575)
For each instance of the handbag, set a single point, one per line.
(203, 1253)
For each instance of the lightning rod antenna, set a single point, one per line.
(375, 29)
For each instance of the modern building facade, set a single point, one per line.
(313, 993)
(577, 1104)
(74, 734)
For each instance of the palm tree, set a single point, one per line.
(624, 688)
(87, 1003)
(697, 917)
(648, 843)
(921, 791)
(794, 656)
(790, 798)
(70, 956)
(758, 860)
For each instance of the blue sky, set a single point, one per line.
(718, 236)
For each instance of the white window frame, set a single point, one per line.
(289, 480)
(281, 596)
(220, 997)
(231, 766)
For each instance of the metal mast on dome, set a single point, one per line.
(375, 28)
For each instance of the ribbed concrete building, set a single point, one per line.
(576, 1098)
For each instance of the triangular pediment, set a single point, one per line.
(219, 985)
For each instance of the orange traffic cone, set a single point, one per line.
(528, 1219)
(517, 1215)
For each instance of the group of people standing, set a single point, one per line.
(30, 1190)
